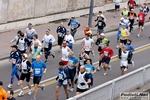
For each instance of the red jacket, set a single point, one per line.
(107, 52)
(141, 17)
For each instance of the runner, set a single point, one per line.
(3, 94)
(82, 81)
(88, 44)
(100, 43)
(35, 51)
(61, 32)
(124, 60)
(25, 74)
(10, 95)
(37, 69)
(123, 38)
(126, 21)
(22, 43)
(145, 9)
(35, 39)
(90, 70)
(15, 58)
(15, 39)
(88, 31)
(130, 48)
(48, 39)
(62, 80)
(131, 16)
(100, 14)
(125, 12)
(131, 4)
(100, 26)
(65, 53)
(141, 20)
(72, 64)
(106, 55)
(119, 31)
(69, 39)
(74, 25)
(117, 7)
(82, 58)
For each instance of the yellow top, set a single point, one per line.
(124, 34)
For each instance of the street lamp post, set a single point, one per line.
(91, 13)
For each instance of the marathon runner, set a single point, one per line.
(88, 31)
(22, 43)
(62, 77)
(100, 14)
(131, 16)
(88, 44)
(37, 69)
(69, 39)
(61, 32)
(145, 9)
(131, 4)
(72, 65)
(125, 12)
(117, 7)
(100, 26)
(65, 53)
(123, 38)
(90, 70)
(48, 39)
(74, 25)
(126, 21)
(124, 60)
(101, 41)
(82, 81)
(10, 95)
(106, 55)
(3, 94)
(15, 58)
(141, 20)
(25, 74)
(15, 39)
(130, 48)
(35, 39)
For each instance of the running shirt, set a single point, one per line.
(61, 31)
(125, 12)
(81, 57)
(87, 32)
(74, 24)
(48, 39)
(82, 78)
(131, 4)
(15, 57)
(37, 40)
(131, 15)
(89, 68)
(22, 44)
(38, 68)
(3, 94)
(25, 66)
(69, 38)
(141, 17)
(63, 75)
(127, 22)
(117, 2)
(124, 57)
(87, 44)
(107, 52)
(71, 61)
(65, 53)
(29, 33)
(124, 33)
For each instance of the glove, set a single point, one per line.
(57, 78)
(76, 81)
(82, 84)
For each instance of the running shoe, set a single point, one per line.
(43, 87)
(109, 67)
(46, 61)
(99, 68)
(30, 92)
(125, 69)
(33, 98)
(93, 53)
(105, 73)
(138, 35)
(71, 89)
(18, 83)
(9, 86)
(21, 94)
(53, 54)
(133, 63)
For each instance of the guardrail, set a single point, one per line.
(111, 89)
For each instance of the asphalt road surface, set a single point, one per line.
(141, 58)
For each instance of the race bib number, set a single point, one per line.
(46, 44)
(102, 45)
(131, 17)
(88, 70)
(124, 58)
(37, 70)
(14, 61)
(60, 76)
(70, 62)
(64, 82)
(60, 34)
(81, 62)
(21, 46)
(100, 23)
(105, 53)
(140, 18)
(64, 55)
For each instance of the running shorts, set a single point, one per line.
(117, 6)
(105, 60)
(141, 24)
(123, 41)
(36, 79)
(81, 90)
(25, 76)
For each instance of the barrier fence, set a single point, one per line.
(112, 89)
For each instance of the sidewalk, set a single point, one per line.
(111, 25)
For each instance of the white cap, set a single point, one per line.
(72, 16)
(25, 55)
(102, 34)
(121, 18)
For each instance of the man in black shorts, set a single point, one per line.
(25, 74)
(37, 69)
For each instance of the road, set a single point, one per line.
(49, 93)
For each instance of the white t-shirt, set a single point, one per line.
(37, 40)
(30, 33)
(87, 43)
(47, 39)
(124, 56)
(117, 2)
(69, 38)
(65, 53)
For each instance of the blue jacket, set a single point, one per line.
(16, 56)
(129, 47)
(61, 30)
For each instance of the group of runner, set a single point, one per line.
(69, 66)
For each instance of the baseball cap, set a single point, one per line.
(102, 34)
(14, 46)
(121, 18)
(1, 83)
(25, 55)
(72, 16)
(132, 9)
(30, 24)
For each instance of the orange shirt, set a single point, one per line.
(3, 94)
(89, 32)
